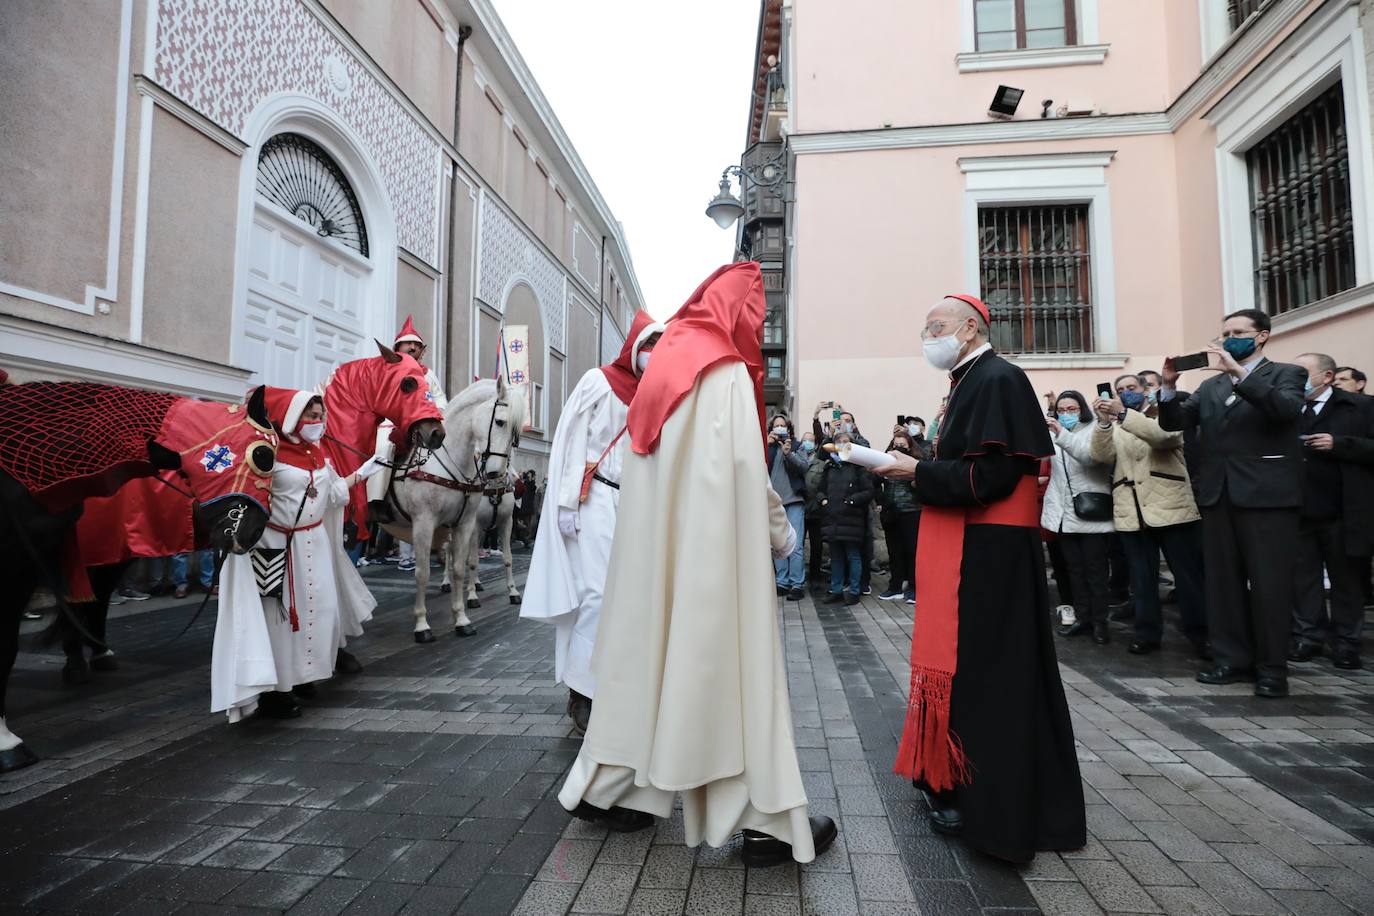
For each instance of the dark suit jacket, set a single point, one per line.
(1250, 450)
(1350, 420)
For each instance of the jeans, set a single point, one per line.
(813, 534)
(846, 566)
(205, 560)
(791, 570)
(1182, 546)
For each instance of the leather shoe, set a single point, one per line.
(621, 820)
(946, 820)
(782, 590)
(1225, 674)
(346, 663)
(795, 594)
(761, 850)
(1347, 659)
(278, 705)
(832, 598)
(1143, 646)
(1101, 635)
(1304, 652)
(1271, 687)
(1082, 628)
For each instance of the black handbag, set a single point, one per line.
(269, 563)
(1090, 507)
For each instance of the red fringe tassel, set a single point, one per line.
(929, 751)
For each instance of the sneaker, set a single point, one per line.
(32, 615)
(868, 590)
(406, 565)
(391, 558)
(133, 594)
(911, 599)
(1066, 614)
(117, 598)
(891, 594)
(362, 561)
(181, 592)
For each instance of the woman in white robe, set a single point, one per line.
(573, 548)
(265, 646)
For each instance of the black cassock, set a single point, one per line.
(1007, 702)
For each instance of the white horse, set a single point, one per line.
(497, 508)
(448, 489)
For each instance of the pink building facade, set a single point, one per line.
(1207, 156)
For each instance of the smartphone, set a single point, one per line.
(901, 420)
(1191, 361)
(1104, 391)
(835, 415)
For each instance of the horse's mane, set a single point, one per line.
(483, 391)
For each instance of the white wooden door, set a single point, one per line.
(306, 303)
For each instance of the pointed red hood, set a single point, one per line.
(408, 332)
(721, 322)
(620, 372)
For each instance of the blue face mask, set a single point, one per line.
(1240, 348)
(849, 427)
(1308, 388)
(1133, 400)
(808, 446)
(1068, 420)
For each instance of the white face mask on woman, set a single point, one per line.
(311, 432)
(642, 360)
(943, 352)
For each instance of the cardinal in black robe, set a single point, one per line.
(987, 732)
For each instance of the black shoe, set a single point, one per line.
(795, 594)
(1101, 635)
(621, 820)
(946, 820)
(1082, 628)
(345, 663)
(579, 710)
(1225, 674)
(1305, 652)
(105, 661)
(850, 598)
(1143, 646)
(832, 598)
(1271, 687)
(1122, 614)
(761, 850)
(278, 705)
(782, 590)
(308, 691)
(1347, 658)
(379, 511)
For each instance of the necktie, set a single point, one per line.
(1309, 415)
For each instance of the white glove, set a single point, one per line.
(368, 468)
(569, 522)
(787, 548)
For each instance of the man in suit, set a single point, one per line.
(1351, 379)
(1337, 508)
(1249, 491)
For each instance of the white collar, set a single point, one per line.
(1250, 366)
(1323, 397)
(972, 355)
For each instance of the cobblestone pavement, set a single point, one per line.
(427, 784)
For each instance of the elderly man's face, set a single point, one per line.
(1346, 382)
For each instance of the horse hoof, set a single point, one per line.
(514, 599)
(445, 588)
(105, 662)
(464, 630)
(424, 636)
(473, 602)
(16, 758)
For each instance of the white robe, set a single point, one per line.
(691, 682)
(567, 575)
(255, 649)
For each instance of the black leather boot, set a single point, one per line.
(761, 850)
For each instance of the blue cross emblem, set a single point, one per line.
(218, 459)
(517, 345)
(429, 395)
(517, 377)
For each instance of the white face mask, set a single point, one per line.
(913, 429)
(311, 432)
(943, 352)
(642, 360)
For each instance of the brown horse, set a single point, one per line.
(61, 443)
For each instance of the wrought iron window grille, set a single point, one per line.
(298, 175)
(1239, 11)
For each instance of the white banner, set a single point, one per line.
(515, 358)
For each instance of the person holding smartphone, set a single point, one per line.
(1250, 491)
(787, 473)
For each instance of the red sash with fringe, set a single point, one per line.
(930, 751)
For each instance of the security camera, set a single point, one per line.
(1045, 108)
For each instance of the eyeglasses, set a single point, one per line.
(933, 329)
(1226, 334)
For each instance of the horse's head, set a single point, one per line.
(401, 395)
(489, 414)
(226, 453)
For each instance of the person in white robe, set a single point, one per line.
(690, 674)
(576, 528)
(265, 647)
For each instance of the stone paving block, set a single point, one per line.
(246, 854)
(779, 880)
(607, 889)
(546, 898)
(860, 800)
(755, 905)
(1186, 901)
(1147, 864)
(1106, 823)
(1113, 887)
(668, 867)
(1161, 790)
(1211, 826)
(524, 855)
(417, 863)
(1064, 898)
(868, 835)
(881, 878)
(493, 894)
(826, 894)
(465, 865)
(271, 891)
(626, 848)
(374, 858)
(1048, 866)
(1262, 866)
(1235, 892)
(570, 861)
(727, 856)
(820, 784)
(1354, 890)
(851, 773)
(716, 892)
(1179, 843)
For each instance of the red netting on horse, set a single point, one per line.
(66, 441)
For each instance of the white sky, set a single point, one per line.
(655, 98)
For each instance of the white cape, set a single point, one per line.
(691, 682)
(567, 575)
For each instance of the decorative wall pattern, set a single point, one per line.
(611, 339)
(223, 57)
(507, 252)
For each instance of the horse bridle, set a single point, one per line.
(480, 467)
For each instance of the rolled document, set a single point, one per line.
(869, 458)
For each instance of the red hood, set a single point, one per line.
(620, 372)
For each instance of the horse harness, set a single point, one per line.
(460, 482)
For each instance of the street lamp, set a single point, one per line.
(725, 207)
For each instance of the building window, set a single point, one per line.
(1300, 216)
(296, 174)
(774, 369)
(1005, 25)
(774, 326)
(1238, 11)
(1036, 277)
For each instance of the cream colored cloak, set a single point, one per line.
(691, 684)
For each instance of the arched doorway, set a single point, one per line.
(522, 307)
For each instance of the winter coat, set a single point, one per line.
(1073, 456)
(787, 474)
(847, 489)
(1151, 476)
(814, 494)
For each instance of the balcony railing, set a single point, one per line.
(1241, 10)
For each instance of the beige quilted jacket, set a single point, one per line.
(1150, 473)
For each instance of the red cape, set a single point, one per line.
(721, 322)
(621, 371)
